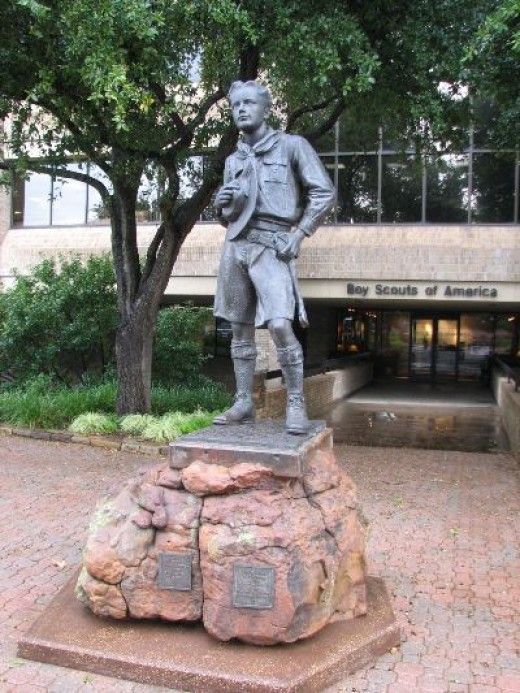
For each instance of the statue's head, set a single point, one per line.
(250, 103)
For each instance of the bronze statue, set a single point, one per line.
(276, 192)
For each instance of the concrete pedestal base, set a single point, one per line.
(186, 657)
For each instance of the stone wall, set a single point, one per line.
(393, 252)
(321, 391)
(509, 402)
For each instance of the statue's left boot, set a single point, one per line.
(291, 363)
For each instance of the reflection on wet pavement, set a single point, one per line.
(471, 429)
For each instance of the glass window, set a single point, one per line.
(37, 200)
(401, 191)
(447, 189)
(493, 187)
(395, 337)
(357, 189)
(69, 198)
(147, 208)
(356, 332)
(17, 197)
(505, 328)
(97, 213)
(475, 343)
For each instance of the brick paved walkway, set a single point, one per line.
(445, 531)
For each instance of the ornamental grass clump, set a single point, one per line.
(163, 429)
(93, 422)
(135, 424)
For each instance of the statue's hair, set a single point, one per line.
(259, 88)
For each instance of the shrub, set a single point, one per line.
(178, 348)
(94, 422)
(162, 430)
(60, 321)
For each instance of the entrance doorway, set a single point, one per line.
(433, 347)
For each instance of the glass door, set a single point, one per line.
(445, 348)
(434, 348)
(421, 348)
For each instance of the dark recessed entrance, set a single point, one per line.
(428, 346)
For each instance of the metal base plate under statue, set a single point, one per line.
(248, 530)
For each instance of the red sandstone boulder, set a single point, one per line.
(256, 556)
(294, 539)
(127, 536)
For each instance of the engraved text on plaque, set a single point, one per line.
(253, 586)
(174, 571)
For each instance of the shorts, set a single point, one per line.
(253, 285)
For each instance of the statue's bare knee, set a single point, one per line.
(282, 332)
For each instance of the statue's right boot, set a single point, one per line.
(243, 354)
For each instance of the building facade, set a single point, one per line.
(419, 264)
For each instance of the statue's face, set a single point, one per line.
(249, 109)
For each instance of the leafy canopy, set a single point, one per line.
(148, 76)
(493, 65)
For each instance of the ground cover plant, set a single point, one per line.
(160, 429)
(39, 404)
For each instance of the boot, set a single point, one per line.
(291, 363)
(243, 354)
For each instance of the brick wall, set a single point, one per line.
(393, 252)
(509, 402)
(321, 391)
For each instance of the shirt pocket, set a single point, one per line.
(274, 171)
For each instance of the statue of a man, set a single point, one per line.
(276, 192)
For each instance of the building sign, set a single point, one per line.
(422, 290)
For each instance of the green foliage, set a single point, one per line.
(121, 72)
(134, 424)
(59, 321)
(178, 356)
(493, 64)
(174, 424)
(40, 404)
(210, 396)
(94, 422)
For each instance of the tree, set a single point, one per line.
(139, 84)
(492, 61)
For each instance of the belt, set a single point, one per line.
(270, 225)
(270, 239)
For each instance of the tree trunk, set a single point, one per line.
(134, 343)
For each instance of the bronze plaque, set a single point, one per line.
(253, 587)
(174, 571)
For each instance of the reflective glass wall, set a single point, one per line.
(376, 180)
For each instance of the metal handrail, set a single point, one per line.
(511, 374)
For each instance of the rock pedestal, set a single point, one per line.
(250, 530)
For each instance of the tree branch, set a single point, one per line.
(249, 63)
(151, 254)
(189, 128)
(327, 123)
(303, 110)
(189, 211)
(58, 172)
